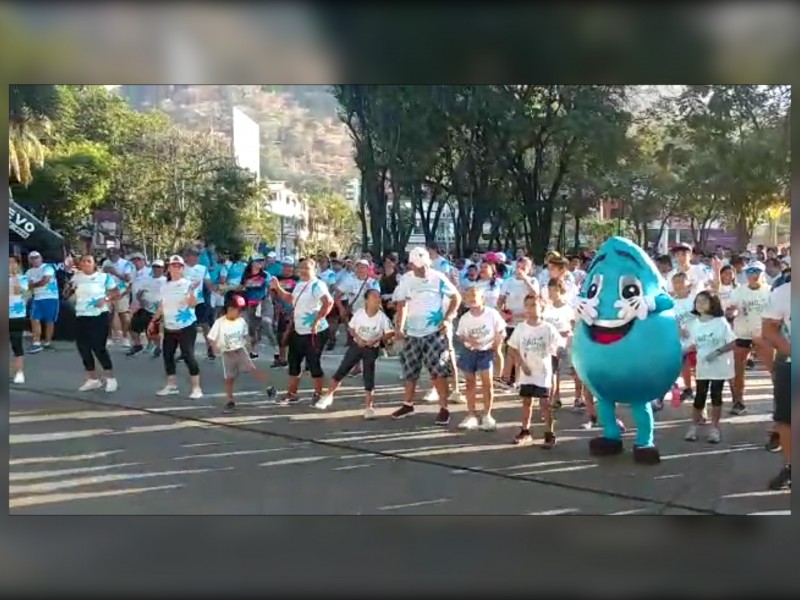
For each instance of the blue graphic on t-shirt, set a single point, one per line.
(185, 315)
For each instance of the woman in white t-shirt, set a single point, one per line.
(747, 305)
(712, 338)
(369, 328)
(560, 315)
(95, 292)
(176, 309)
(533, 344)
(229, 337)
(17, 292)
(311, 302)
(482, 331)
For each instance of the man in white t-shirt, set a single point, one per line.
(146, 296)
(424, 324)
(776, 330)
(45, 307)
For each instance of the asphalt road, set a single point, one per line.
(131, 452)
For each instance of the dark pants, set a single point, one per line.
(306, 347)
(16, 328)
(352, 357)
(702, 391)
(183, 338)
(91, 336)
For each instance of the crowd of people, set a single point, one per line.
(495, 320)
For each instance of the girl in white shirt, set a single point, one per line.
(229, 337)
(561, 316)
(533, 344)
(369, 327)
(712, 338)
(482, 331)
(747, 306)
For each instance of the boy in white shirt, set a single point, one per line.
(229, 337)
(482, 331)
(368, 327)
(532, 345)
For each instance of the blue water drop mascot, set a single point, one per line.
(626, 345)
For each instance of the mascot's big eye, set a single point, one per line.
(594, 287)
(629, 287)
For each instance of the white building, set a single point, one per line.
(292, 211)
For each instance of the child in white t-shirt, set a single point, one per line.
(482, 330)
(369, 327)
(533, 344)
(712, 338)
(229, 338)
(684, 314)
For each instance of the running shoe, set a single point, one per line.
(210, 354)
(714, 435)
(156, 352)
(750, 363)
(523, 438)
(658, 405)
(557, 403)
(254, 355)
(271, 392)
(686, 395)
(773, 443)
(47, 346)
(324, 402)
(19, 377)
(470, 423)
(230, 406)
(404, 411)
(738, 408)
(168, 390)
(138, 349)
(549, 440)
(590, 424)
(783, 480)
(431, 396)
(111, 385)
(442, 417)
(488, 423)
(287, 400)
(579, 406)
(35, 349)
(369, 413)
(276, 364)
(90, 385)
(691, 434)
(196, 394)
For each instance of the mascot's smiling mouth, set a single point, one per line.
(609, 332)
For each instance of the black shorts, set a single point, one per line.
(140, 320)
(740, 343)
(16, 329)
(509, 331)
(529, 390)
(782, 378)
(204, 314)
(283, 325)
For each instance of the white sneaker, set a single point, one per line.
(369, 413)
(196, 394)
(691, 434)
(19, 377)
(125, 343)
(111, 385)
(714, 436)
(457, 397)
(432, 395)
(168, 390)
(488, 423)
(470, 423)
(90, 385)
(324, 402)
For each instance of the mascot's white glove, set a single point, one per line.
(586, 309)
(637, 307)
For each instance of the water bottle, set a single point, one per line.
(676, 396)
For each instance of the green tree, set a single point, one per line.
(31, 109)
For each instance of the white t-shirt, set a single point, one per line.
(123, 267)
(16, 302)
(151, 292)
(139, 277)
(491, 293)
(370, 329)
(751, 305)
(708, 336)
(482, 329)
(197, 274)
(725, 294)
(307, 300)
(559, 317)
(515, 291)
(229, 335)
(176, 310)
(45, 292)
(90, 290)
(699, 278)
(780, 308)
(353, 290)
(424, 298)
(536, 345)
(683, 311)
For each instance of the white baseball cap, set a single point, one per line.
(288, 260)
(136, 255)
(34, 254)
(258, 258)
(362, 261)
(158, 263)
(755, 265)
(419, 257)
(176, 259)
(272, 255)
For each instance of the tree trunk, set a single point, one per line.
(577, 238)
(362, 213)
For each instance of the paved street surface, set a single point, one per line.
(133, 453)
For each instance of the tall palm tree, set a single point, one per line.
(30, 110)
